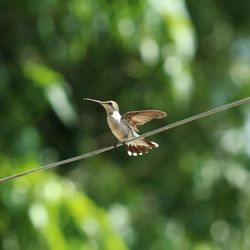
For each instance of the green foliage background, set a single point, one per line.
(183, 57)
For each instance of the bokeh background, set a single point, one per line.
(182, 57)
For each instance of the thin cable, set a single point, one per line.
(195, 117)
(156, 131)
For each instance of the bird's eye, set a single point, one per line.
(110, 103)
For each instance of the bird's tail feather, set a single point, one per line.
(140, 146)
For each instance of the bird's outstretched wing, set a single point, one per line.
(135, 118)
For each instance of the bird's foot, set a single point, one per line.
(123, 141)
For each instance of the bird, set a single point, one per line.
(124, 127)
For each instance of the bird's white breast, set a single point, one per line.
(116, 116)
(118, 128)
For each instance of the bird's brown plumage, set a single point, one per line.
(135, 118)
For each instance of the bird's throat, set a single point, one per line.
(116, 116)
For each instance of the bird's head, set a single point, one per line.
(110, 106)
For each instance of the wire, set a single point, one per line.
(156, 131)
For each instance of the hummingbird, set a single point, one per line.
(124, 127)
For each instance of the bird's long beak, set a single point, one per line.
(92, 100)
